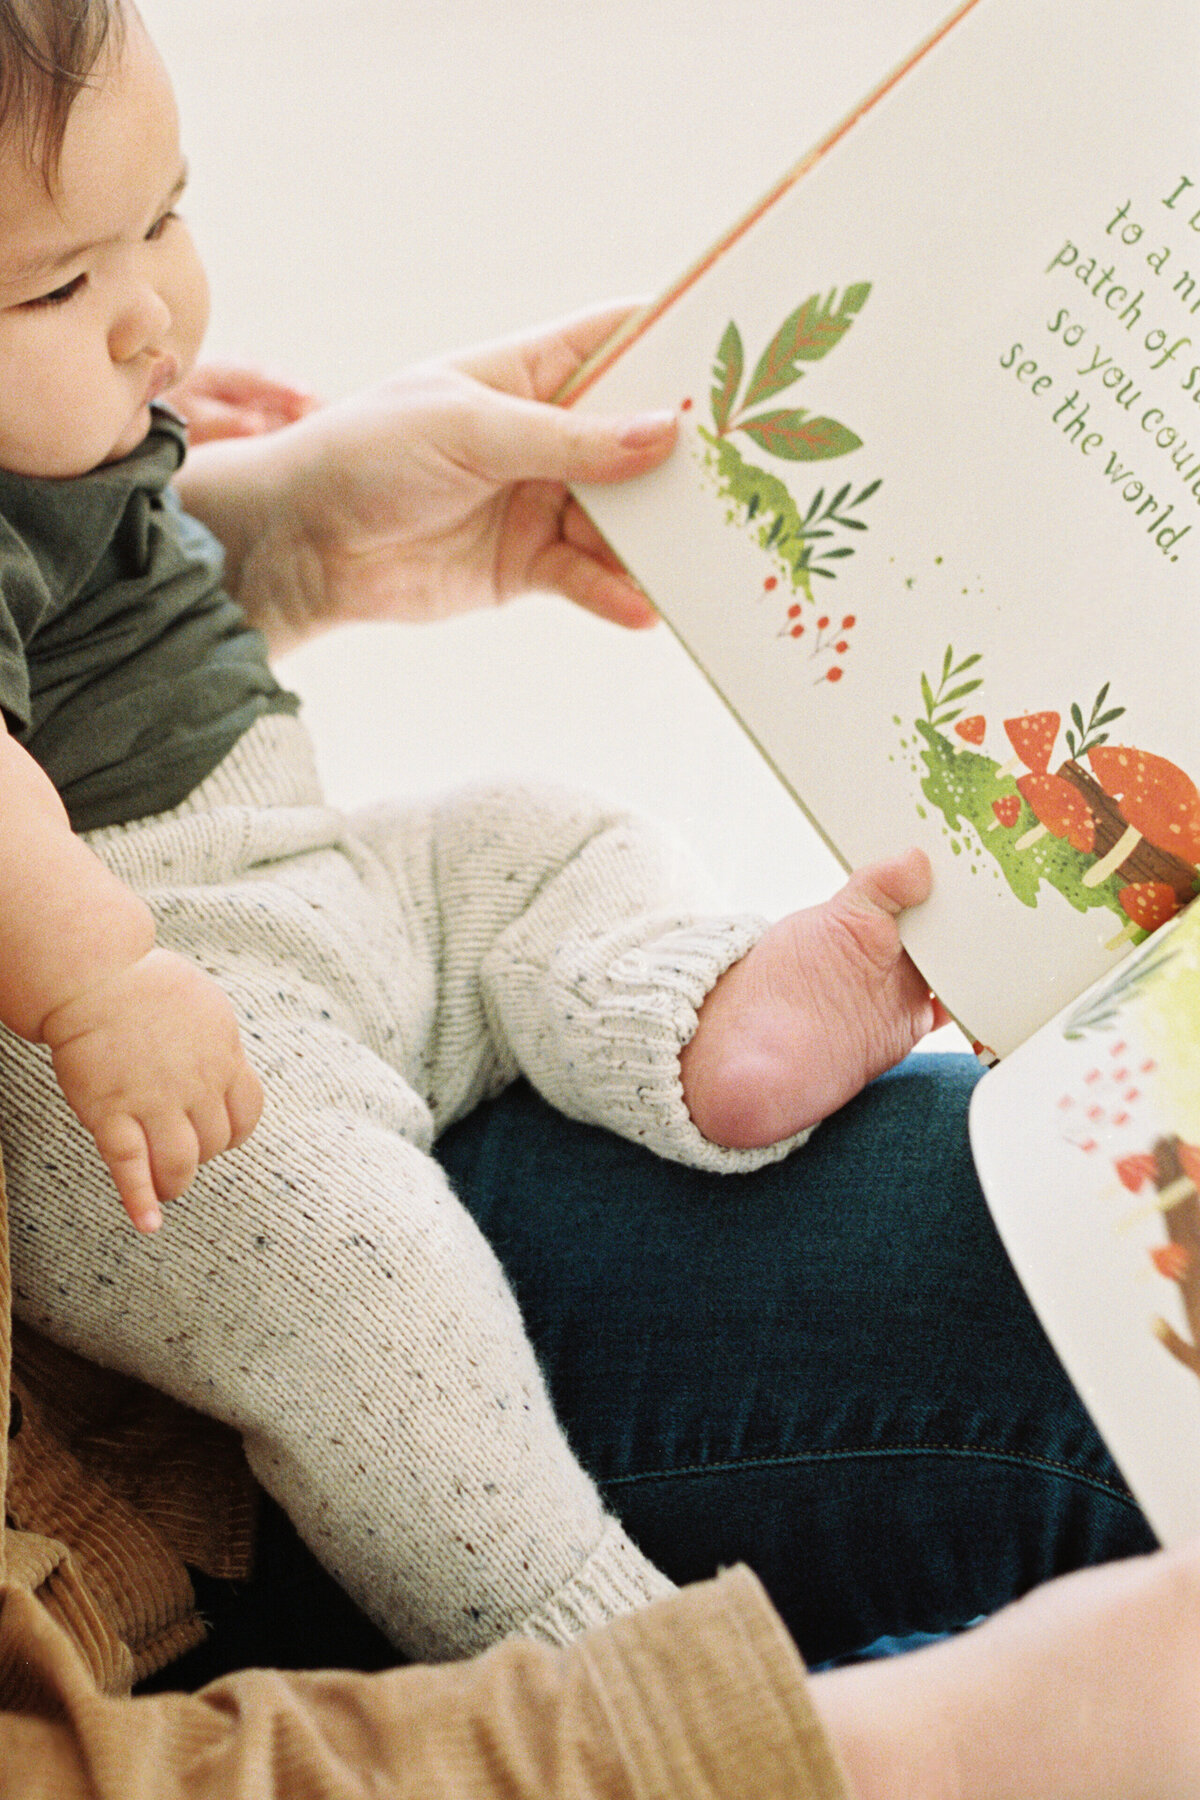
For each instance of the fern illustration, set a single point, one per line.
(1083, 737)
(940, 707)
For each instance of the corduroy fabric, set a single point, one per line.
(108, 1487)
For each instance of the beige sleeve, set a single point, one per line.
(700, 1697)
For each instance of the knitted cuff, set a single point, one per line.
(624, 1020)
(616, 1579)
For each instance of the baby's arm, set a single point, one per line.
(144, 1044)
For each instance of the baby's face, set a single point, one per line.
(103, 300)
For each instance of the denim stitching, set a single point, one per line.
(1045, 1464)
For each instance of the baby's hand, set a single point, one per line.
(825, 1001)
(150, 1061)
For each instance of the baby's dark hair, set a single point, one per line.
(48, 50)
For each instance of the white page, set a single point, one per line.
(1084, 1139)
(1024, 203)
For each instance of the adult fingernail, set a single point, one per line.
(646, 429)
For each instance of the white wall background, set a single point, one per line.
(376, 180)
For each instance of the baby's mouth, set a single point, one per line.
(164, 374)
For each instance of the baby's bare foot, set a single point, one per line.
(826, 1000)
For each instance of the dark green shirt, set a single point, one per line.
(126, 670)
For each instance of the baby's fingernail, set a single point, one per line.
(646, 429)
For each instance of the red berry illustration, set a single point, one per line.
(834, 674)
(849, 622)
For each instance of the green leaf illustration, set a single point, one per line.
(805, 336)
(960, 693)
(798, 437)
(727, 374)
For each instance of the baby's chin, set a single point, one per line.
(134, 434)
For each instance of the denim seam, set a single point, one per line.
(1045, 1464)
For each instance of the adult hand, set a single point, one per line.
(438, 491)
(1087, 1689)
(224, 400)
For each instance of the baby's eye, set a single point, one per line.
(159, 226)
(60, 295)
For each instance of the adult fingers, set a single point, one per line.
(505, 439)
(543, 360)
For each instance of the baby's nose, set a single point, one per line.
(143, 324)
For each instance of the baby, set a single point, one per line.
(173, 886)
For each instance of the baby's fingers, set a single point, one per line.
(174, 1155)
(126, 1153)
(244, 1101)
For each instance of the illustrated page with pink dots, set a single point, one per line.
(932, 528)
(1087, 1142)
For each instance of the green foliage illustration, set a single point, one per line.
(805, 336)
(1085, 737)
(1071, 827)
(940, 708)
(803, 538)
(1101, 1010)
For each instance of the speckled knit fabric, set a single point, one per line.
(321, 1289)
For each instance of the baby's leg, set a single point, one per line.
(825, 1001)
(323, 1291)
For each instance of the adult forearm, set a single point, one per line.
(1084, 1690)
(700, 1697)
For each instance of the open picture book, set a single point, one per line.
(932, 531)
(1087, 1143)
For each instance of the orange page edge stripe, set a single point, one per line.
(633, 329)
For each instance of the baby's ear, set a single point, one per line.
(224, 400)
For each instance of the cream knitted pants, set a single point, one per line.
(321, 1289)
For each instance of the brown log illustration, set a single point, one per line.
(1146, 861)
(1180, 1204)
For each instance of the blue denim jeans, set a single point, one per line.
(826, 1369)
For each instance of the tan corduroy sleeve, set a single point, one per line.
(700, 1697)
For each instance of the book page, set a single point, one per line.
(1087, 1141)
(933, 525)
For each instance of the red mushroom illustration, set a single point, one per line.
(1033, 737)
(1156, 802)
(1060, 809)
(971, 729)
(1146, 905)
(1007, 810)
